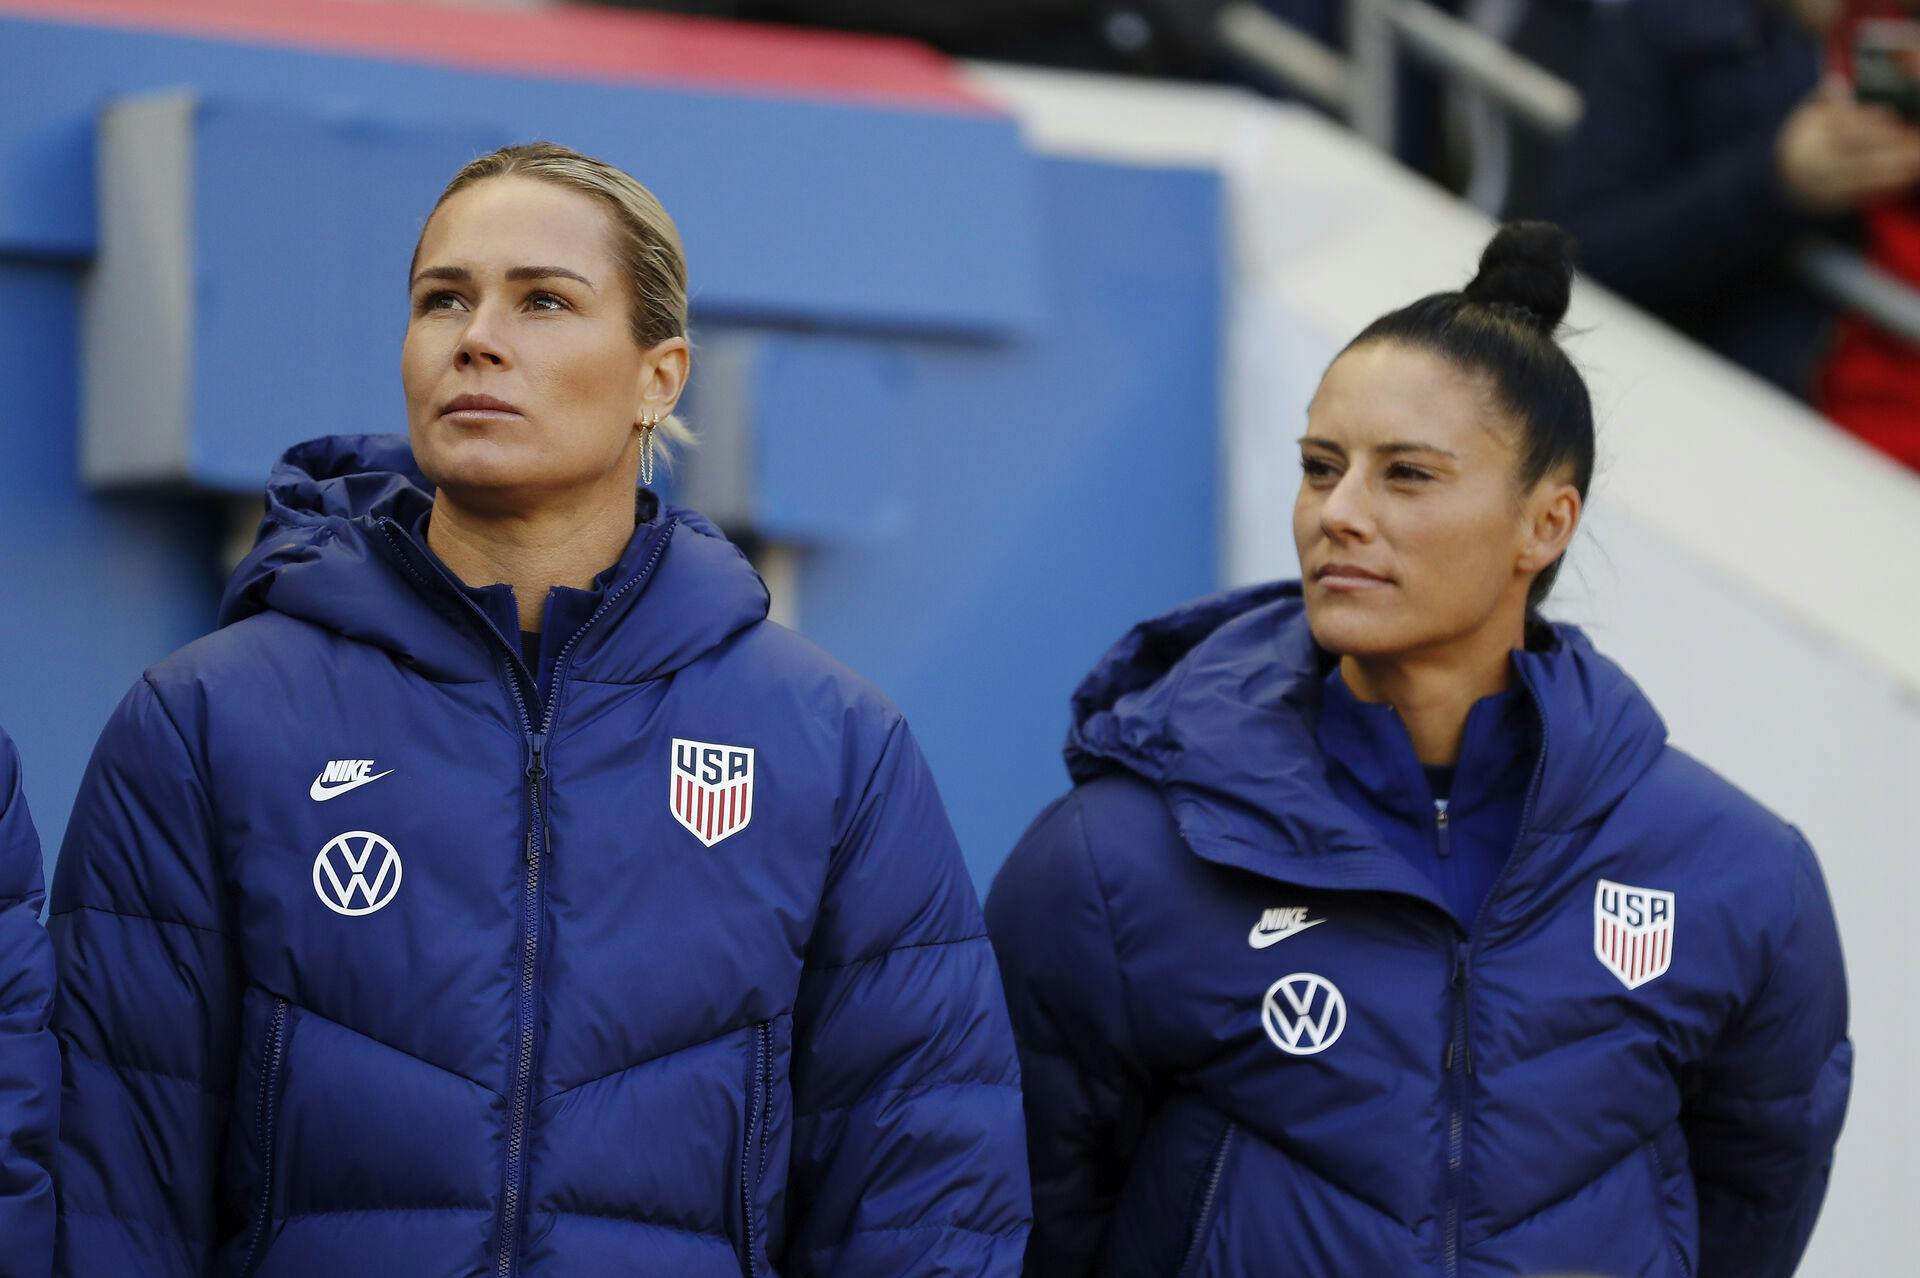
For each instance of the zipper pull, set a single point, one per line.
(537, 756)
(1442, 827)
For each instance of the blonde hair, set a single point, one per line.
(646, 242)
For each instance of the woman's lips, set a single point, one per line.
(1349, 579)
(479, 407)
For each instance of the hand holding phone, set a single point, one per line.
(1835, 153)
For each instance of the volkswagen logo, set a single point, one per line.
(340, 873)
(1303, 1014)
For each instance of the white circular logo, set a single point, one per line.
(340, 873)
(1303, 1014)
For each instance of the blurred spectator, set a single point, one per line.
(1710, 145)
(1870, 383)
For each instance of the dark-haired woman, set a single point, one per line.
(1383, 933)
(498, 891)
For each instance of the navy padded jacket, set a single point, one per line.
(366, 969)
(1254, 1040)
(29, 1058)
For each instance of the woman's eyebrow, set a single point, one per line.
(548, 273)
(1410, 446)
(461, 275)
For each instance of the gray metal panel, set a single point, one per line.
(715, 476)
(137, 298)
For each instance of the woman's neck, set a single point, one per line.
(531, 550)
(1433, 692)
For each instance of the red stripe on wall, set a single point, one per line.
(571, 42)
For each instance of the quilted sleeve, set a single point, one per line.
(146, 1007)
(1761, 1126)
(29, 1060)
(1086, 1086)
(907, 1154)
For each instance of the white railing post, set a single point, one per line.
(1373, 97)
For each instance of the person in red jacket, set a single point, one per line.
(1870, 383)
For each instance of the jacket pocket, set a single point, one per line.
(1662, 1193)
(753, 1149)
(266, 1132)
(1206, 1203)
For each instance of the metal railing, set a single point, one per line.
(1362, 88)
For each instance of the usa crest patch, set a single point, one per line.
(1632, 931)
(711, 788)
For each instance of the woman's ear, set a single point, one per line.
(1552, 517)
(663, 377)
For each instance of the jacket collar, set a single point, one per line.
(1217, 704)
(335, 550)
(1369, 742)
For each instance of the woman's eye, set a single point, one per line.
(1315, 468)
(439, 302)
(546, 302)
(1411, 474)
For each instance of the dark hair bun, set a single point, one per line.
(1528, 267)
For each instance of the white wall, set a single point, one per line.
(1757, 571)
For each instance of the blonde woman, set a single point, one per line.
(498, 891)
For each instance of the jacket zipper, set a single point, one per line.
(1442, 832)
(269, 1098)
(538, 841)
(1459, 1058)
(526, 1017)
(756, 1129)
(1196, 1235)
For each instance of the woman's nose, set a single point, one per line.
(1344, 515)
(481, 343)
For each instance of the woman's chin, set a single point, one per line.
(479, 462)
(1353, 632)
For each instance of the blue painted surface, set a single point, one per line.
(791, 209)
(92, 588)
(987, 418)
(1024, 503)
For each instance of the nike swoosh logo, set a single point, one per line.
(1260, 939)
(321, 791)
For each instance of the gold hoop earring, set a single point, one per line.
(647, 425)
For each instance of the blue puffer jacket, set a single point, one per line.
(29, 1058)
(1255, 1042)
(367, 970)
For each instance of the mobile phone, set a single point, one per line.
(1886, 65)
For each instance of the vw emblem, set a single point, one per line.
(1303, 1014)
(352, 854)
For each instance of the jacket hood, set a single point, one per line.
(1215, 704)
(335, 549)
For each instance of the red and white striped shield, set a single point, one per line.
(712, 788)
(1633, 931)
